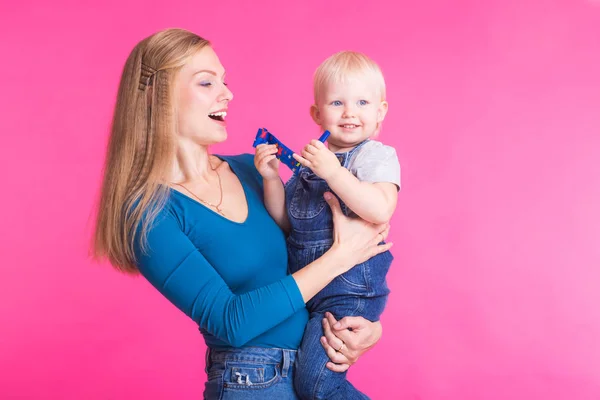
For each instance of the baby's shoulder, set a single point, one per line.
(373, 150)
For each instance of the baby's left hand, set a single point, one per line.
(319, 159)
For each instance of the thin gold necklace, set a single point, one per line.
(215, 206)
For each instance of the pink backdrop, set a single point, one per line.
(494, 110)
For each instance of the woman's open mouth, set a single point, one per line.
(218, 116)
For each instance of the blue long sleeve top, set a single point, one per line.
(230, 278)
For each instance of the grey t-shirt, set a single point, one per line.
(375, 162)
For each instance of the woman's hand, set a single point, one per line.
(355, 240)
(345, 346)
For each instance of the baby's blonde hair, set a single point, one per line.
(344, 65)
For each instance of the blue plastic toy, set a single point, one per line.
(284, 153)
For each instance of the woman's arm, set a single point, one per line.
(182, 274)
(348, 247)
(352, 336)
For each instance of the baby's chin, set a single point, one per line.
(346, 140)
(338, 146)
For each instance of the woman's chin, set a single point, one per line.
(216, 137)
(222, 136)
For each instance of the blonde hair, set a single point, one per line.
(141, 145)
(344, 65)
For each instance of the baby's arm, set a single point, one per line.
(274, 194)
(373, 202)
(372, 198)
(275, 202)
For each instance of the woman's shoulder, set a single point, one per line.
(243, 164)
(244, 160)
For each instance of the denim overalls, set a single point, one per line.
(362, 291)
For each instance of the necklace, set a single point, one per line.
(215, 206)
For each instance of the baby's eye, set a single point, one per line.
(336, 103)
(363, 102)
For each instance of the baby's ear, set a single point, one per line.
(382, 111)
(315, 114)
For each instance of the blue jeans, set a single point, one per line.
(250, 373)
(362, 291)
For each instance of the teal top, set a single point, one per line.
(230, 278)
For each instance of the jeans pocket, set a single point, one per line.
(307, 199)
(247, 375)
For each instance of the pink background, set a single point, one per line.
(494, 111)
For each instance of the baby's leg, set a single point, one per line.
(312, 379)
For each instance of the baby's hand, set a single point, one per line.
(266, 162)
(319, 159)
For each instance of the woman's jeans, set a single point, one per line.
(250, 373)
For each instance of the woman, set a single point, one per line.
(195, 226)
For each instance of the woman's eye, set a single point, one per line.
(205, 83)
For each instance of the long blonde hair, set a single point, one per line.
(141, 145)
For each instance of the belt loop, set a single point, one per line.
(286, 363)
(207, 360)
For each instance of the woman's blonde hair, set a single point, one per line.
(141, 145)
(344, 65)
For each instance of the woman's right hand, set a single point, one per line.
(355, 240)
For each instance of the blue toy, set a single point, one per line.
(283, 152)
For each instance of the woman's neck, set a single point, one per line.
(192, 163)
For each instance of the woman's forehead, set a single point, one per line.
(204, 61)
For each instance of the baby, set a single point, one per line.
(349, 95)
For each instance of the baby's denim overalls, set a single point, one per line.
(362, 291)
